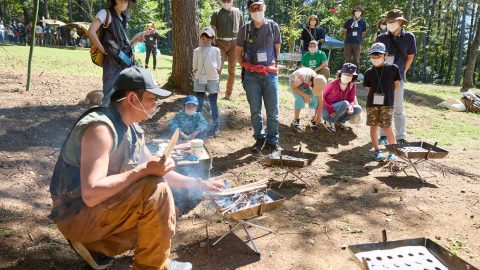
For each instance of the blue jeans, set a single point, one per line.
(260, 88)
(212, 99)
(341, 115)
(398, 114)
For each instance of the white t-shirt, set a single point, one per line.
(210, 66)
(38, 29)
(102, 15)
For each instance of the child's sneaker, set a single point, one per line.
(382, 140)
(343, 126)
(313, 124)
(330, 126)
(216, 132)
(392, 157)
(296, 124)
(379, 155)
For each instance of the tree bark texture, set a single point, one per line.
(458, 72)
(185, 39)
(472, 55)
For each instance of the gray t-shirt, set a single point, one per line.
(260, 41)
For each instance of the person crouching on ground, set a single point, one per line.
(191, 123)
(382, 81)
(339, 104)
(307, 87)
(109, 193)
(207, 66)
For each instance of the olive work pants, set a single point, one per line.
(141, 217)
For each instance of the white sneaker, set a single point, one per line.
(329, 126)
(175, 265)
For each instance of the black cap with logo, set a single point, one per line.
(135, 78)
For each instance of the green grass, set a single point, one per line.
(67, 61)
(432, 123)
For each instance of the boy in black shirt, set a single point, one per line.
(382, 80)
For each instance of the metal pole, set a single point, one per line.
(32, 44)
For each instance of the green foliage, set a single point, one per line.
(145, 12)
(206, 9)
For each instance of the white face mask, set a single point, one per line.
(258, 16)
(358, 14)
(149, 114)
(383, 27)
(190, 112)
(345, 79)
(227, 6)
(392, 27)
(376, 62)
(313, 50)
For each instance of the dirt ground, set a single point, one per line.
(349, 200)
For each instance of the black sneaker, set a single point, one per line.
(402, 141)
(146, 66)
(296, 124)
(258, 146)
(273, 146)
(313, 124)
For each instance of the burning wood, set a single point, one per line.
(239, 201)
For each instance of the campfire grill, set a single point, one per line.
(289, 160)
(245, 206)
(415, 153)
(417, 253)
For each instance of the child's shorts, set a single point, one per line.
(300, 103)
(380, 116)
(211, 87)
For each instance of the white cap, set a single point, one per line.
(208, 31)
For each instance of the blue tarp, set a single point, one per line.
(332, 43)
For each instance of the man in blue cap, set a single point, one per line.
(109, 193)
(258, 45)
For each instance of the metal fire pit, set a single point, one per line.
(243, 214)
(417, 253)
(290, 161)
(416, 152)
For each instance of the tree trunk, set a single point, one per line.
(70, 15)
(168, 16)
(36, 5)
(45, 9)
(472, 56)
(408, 12)
(185, 39)
(458, 73)
(100, 4)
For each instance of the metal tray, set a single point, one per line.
(255, 210)
(309, 158)
(417, 253)
(417, 150)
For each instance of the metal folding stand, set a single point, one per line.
(413, 164)
(245, 223)
(288, 171)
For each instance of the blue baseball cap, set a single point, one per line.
(377, 48)
(190, 100)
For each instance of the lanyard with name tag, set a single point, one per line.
(262, 56)
(389, 59)
(379, 98)
(354, 33)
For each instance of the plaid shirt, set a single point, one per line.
(188, 124)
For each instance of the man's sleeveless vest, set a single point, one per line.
(127, 152)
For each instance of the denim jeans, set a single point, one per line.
(212, 99)
(398, 114)
(260, 88)
(341, 115)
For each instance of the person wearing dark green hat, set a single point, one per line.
(401, 49)
(109, 194)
